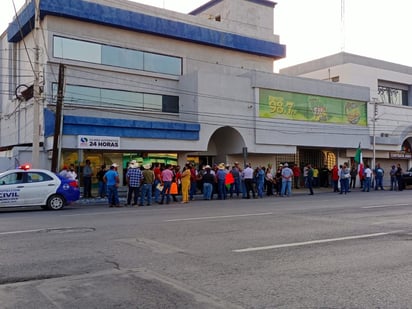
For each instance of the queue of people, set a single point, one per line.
(222, 181)
(163, 183)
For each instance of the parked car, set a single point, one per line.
(407, 177)
(36, 187)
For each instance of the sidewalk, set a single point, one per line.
(199, 196)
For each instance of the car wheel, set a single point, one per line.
(55, 202)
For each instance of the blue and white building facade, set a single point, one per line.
(147, 82)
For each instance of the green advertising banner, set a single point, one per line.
(304, 107)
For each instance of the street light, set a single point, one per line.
(374, 118)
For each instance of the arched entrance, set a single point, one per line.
(223, 142)
(406, 145)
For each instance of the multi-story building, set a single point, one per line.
(151, 84)
(390, 102)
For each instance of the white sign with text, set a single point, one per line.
(98, 142)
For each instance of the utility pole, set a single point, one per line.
(36, 90)
(375, 117)
(58, 122)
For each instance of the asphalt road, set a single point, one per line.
(321, 251)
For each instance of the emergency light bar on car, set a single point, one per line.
(25, 167)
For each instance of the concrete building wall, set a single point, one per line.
(218, 90)
(245, 17)
(390, 124)
(392, 120)
(17, 114)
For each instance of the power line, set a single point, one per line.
(181, 92)
(22, 36)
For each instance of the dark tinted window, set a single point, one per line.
(170, 104)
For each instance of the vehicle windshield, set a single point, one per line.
(12, 179)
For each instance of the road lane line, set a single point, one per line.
(21, 232)
(311, 242)
(124, 211)
(97, 213)
(382, 206)
(219, 217)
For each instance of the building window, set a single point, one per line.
(335, 79)
(116, 56)
(392, 95)
(119, 99)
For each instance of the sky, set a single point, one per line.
(317, 28)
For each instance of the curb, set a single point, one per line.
(104, 201)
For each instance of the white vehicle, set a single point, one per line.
(36, 187)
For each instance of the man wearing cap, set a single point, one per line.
(221, 176)
(287, 175)
(112, 180)
(208, 182)
(148, 178)
(133, 179)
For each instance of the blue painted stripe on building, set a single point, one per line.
(130, 132)
(115, 17)
(25, 21)
(267, 3)
(74, 125)
(49, 122)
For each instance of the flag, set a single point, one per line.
(359, 160)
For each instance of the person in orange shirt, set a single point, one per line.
(335, 178)
(296, 175)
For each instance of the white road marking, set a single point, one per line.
(20, 232)
(219, 217)
(319, 241)
(96, 213)
(124, 211)
(382, 206)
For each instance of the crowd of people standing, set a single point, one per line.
(161, 184)
(220, 181)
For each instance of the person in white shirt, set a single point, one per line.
(287, 176)
(247, 175)
(368, 175)
(64, 171)
(71, 174)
